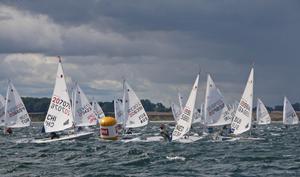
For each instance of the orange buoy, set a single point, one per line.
(108, 128)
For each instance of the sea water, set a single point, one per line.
(277, 155)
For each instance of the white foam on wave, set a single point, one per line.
(176, 158)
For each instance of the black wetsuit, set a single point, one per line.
(165, 135)
(53, 135)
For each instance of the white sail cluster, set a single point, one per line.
(62, 113)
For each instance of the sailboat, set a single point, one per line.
(98, 111)
(215, 109)
(186, 118)
(60, 116)
(176, 111)
(241, 122)
(15, 113)
(2, 111)
(134, 112)
(289, 115)
(119, 112)
(262, 114)
(83, 112)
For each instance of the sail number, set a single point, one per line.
(60, 105)
(186, 114)
(50, 119)
(236, 123)
(84, 110)
(143, 118)
(135, 109)
(244, 108)
(215, 107)
(178, 130)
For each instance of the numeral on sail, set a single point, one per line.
(60, 105)
(143, 118)
(50, 119)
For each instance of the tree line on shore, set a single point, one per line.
(41, 105)
(34, 105)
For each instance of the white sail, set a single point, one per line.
(185, 121)
(180, 99)
(2, 111)
(119, 112)
(83, 112)
(262, 114)
(176, 111)
(289, 115)
(215, 110)
(59, 116)
(243, 115)
(98, 110)
(202, 121)
(16, 115)
(134, 111)
(197, 116)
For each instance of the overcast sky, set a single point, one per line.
(158, 46)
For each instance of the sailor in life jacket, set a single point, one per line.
(164, 133)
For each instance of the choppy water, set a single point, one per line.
(277, 155)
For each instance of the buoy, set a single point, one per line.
(108, 128)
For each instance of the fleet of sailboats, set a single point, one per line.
(69, 113)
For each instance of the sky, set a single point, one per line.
(157, 46)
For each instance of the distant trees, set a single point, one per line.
(36, 104)
(42, 105)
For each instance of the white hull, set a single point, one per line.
(146, 139)
(228, 138)
(189, 139)
(64, 137)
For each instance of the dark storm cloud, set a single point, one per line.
(160, 44)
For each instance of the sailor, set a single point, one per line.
(224, 131)
(164, 133)
(43, 130)
(8, 131)
(79, 129)
(129, 131)
(53, 135)
(210, 130)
